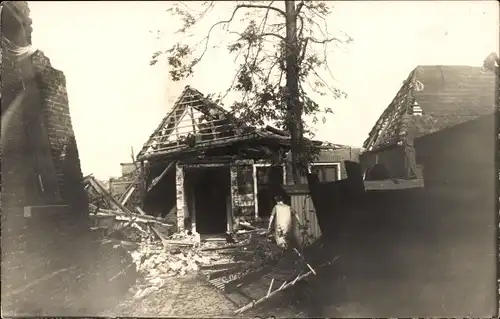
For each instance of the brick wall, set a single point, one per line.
(54, 97)
(40, 164)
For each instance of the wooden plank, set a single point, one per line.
(211, 123)
(247, 278)
(224, 272)
(223, 140)
(221, 266)
(255, 190)
(261, 300)
(178, 242)
(270, 287)
(224, 247)
(205, 165)
(103, 192)
(394, 184)
(127, 195)
(309, 266)
(38, 281)
(193, 122)
(161, 176)
(140, 211)
(162, 124)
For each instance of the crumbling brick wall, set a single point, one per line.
(40, 164)
(39, 149)
(52, 84)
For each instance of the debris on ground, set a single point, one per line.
(246, 259)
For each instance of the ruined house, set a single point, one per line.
(438, 128)
(207, 171)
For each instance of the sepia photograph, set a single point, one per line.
(250, 159)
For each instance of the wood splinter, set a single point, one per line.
(308, 266)
(270, 287)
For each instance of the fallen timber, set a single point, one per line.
(248, 288)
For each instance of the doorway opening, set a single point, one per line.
(208, 198)
(268, 182)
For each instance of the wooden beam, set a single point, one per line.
(142, 184)
(193, 122)
(103, 192)
(394, 184)
(222, 266)
(161, 176)
(127, 195)
(37, 281)
(247, 278)
(224, 247)
(179, 188)
(269, 295)
(162, 124)
(224, 272)
(213, 143)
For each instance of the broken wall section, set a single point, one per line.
(61, 135)
(40, 164)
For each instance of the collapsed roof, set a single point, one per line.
(196, 122)
(434, 98)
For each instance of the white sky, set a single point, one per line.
(117, 99)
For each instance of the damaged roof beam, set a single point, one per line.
(220, 141)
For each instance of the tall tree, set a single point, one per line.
(277, 53)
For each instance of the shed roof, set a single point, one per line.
(433, 98)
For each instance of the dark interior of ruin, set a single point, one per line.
(211, 194)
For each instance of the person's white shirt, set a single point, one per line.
(282, 216)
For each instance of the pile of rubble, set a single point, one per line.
(180, 255)
(159, 252)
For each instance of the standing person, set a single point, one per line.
(283, 230)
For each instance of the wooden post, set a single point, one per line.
(193, 122)
(142, 184)
(234, 193)
(179, 185)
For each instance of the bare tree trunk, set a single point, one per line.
(294, 116)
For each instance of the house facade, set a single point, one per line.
(439, 111)
(206, 171)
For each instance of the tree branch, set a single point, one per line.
(257, 6)
(299, 7)
(272, 34)
(323, 41)
(207, 38)
(304, 47)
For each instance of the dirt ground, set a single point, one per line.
(187, 296)
(193, 297)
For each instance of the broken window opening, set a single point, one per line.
(326, 172)
(245, 179)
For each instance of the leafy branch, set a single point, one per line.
(272, 39)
